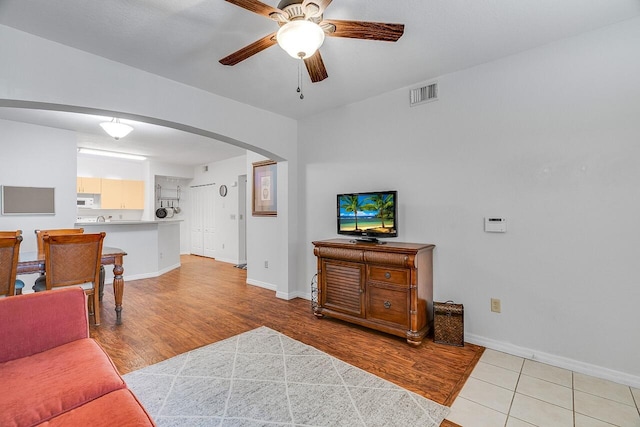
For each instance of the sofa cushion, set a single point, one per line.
(118, 408)
(40, 321)
(47, 384)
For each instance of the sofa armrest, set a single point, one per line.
(36, 322)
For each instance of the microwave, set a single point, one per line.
(85, 202)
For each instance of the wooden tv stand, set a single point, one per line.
(387, 287)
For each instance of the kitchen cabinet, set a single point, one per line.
(387, 287)
(88, 185)
(122, 194)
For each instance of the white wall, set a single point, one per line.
(548, 139)
(36, 156)
(106, 167)
(265, 229)
(168, 241)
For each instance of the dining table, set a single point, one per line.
(33, 262)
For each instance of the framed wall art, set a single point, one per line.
(265, 186)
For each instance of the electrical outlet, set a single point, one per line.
(495, 305)
(223, 246)
(266, 264)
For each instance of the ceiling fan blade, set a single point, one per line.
(364, 30)
(321, 5)
(258, 7)
(249, 50)
(315, 68)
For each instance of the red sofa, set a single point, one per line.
(52, 373)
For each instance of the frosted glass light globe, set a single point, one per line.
(116, 129)
(300, 38)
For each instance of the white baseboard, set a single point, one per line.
(555, 360)
(127, 277)
(303, 295)
(292, 295)
(228, 260)
(272, 287)
(168, 269)
(260, 284)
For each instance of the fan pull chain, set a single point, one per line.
(299, 90)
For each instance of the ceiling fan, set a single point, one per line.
(301, 21)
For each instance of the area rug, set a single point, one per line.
(264, 378)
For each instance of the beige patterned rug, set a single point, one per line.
(264, 378)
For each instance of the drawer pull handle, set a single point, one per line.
(387, 275)
(387, 304)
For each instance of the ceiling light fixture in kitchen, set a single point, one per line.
(110, 154)
(116, 129)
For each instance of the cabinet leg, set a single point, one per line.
(101, 287)
(415, 338)
(414, 342)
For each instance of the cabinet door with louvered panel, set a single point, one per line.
(342, 287)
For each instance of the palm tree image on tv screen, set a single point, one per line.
(367, 214)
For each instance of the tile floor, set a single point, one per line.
(509, 391)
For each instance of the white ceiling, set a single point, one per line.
(183, 40)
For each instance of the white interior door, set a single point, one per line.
(197, 236)
(209, 221)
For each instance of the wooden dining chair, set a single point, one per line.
(39, 284)
(57, 232)
(9, 252)
(74, 259)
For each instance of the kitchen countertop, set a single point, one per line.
(124, 222)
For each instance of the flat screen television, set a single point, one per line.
(369, 215)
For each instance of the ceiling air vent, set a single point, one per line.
(423, 94)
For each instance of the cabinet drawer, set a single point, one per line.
(390, 275)
(388, 304)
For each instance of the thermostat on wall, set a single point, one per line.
(495, 225)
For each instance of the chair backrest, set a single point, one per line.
(72, 259)
(58, 231)
(9, 252)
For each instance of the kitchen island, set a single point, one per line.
(153, 247)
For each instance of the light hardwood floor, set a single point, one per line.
(206, 301)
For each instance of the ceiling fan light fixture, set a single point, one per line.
(300, 38)
(115, 129)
